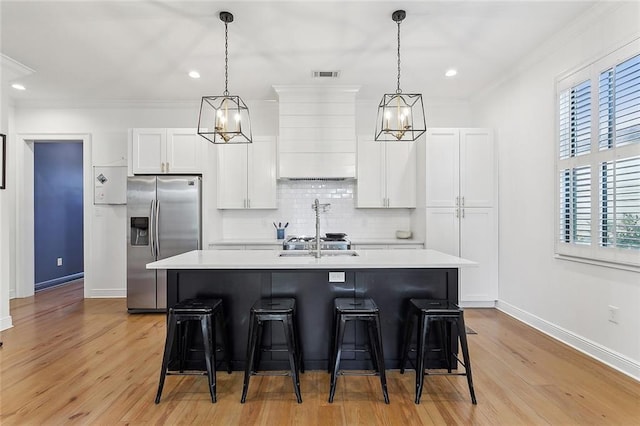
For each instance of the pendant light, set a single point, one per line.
(400, 115)
(224, 119)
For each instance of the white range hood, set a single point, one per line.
(317, 132)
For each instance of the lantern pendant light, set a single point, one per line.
(400, 115)
(224, 119)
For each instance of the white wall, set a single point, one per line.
(566, 299)
(6, 197)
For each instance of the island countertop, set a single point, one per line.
(270, 259)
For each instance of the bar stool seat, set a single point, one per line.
(445, 314)
(273, 309)
(209, 313)
(357, 309)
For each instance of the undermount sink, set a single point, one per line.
(323, 253)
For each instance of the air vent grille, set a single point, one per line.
(325, 74)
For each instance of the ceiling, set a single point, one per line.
(142, 50)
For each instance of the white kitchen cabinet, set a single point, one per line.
(460, 168)
(166, 151)
(366, 246)
(247, 175)
(245, 246)
(461, 211)
(470, 233)
(386, 174)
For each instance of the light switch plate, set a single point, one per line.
(336, 277)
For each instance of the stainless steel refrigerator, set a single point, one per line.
(163, 220)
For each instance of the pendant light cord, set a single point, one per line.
(398, 90)
(226, 59)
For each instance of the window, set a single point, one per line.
(598, 160)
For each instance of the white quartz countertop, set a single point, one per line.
(388, 241)
(255, 242)
(270, 259)
(356, 241)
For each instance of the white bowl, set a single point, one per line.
(403, 235)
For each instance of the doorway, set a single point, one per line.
(24, 236)
(58, 222)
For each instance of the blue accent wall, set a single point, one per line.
(57, 211)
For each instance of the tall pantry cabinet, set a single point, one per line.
(461, 207)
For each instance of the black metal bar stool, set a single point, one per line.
(283, 310)
(357, 309)
(209, 313)
(445, 314)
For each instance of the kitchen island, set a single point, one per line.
(240, 277)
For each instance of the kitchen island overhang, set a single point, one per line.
(240, 277)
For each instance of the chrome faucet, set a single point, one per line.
(317, 207)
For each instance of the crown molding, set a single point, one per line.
(106, 104)
(11, 69)
(555, 42)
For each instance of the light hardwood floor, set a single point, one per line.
(73, 361)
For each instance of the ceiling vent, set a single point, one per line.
(325, 74)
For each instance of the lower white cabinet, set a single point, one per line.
(247, 175)
(470, 233)
(387, 246)
(245, 246)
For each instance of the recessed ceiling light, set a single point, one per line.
(451, 72)
(18, 86)
(194, 74)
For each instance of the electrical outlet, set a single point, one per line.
(59, 261)
(336, 277)
(614, 312)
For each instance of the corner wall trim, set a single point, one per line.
(5, 323)
(605, 355)
(108, 293)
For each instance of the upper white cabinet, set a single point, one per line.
(247, 175)
(460, 168)
(317, 131)
(386, 174)
(166, 151)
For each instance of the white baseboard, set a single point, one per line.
(6, 322)
(107, 293)
(477, 304)
(12, 293)
(605, 355)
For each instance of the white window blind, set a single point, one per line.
(619, 104)
(575, 214)
(575, 120)
(619, 203)
(599, 177)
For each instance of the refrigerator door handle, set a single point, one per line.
(151, 215)
(157, 236)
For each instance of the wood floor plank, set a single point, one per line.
(68, 360)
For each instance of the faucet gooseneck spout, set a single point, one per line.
(317, 206)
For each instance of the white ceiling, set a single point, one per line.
(143, 50)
